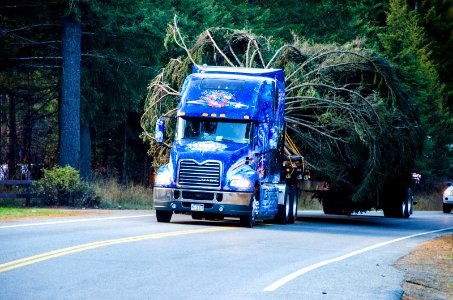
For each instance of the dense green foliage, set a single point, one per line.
(405, 43)
(124, 46)
(63, 186)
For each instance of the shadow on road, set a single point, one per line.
(356, 224)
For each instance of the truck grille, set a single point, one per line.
(194, 174)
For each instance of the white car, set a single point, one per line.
(448, 199)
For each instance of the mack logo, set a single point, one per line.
(207, 180)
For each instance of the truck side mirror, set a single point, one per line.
(160, 130)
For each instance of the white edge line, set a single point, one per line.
(274, 286)
(74, 221)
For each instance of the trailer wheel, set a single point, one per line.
(400, 209)
(409, 202)
(163, 216)
(250, 220)
(284, 209)
(329, 207)
(396, 210)
(292, 204)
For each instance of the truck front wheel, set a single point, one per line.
(163, 216)
(250, 219)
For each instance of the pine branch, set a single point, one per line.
(4, 32)
(218, 49)
(36, 58)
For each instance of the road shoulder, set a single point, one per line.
(428, 270)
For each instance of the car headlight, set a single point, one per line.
(241, 183)
(163, 177)
(448, 192)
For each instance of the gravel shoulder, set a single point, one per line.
(428, 270)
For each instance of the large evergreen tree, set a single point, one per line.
(404, 43)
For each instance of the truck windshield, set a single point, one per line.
(213, 130)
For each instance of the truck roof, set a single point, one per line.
(233, 93)
(276, 74)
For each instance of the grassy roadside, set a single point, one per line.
(8, 214)
(113, 195)
(108, 194)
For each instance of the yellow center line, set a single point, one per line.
(88, 246)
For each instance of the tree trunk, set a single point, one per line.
(70, 94)
(124, 174)
(12, 137)
(85, 151)
(27, 135)
(2, 122)
(417, 5)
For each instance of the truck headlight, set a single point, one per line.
(163, 177)
(241, 183)
(448, 192)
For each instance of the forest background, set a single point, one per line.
(123, 45)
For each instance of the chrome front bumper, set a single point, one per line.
(219, 202)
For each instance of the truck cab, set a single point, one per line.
(227, 155)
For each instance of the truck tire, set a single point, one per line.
(249, 220)
(284, 209)
(329, 207)
(395, 210)
(409, 203)
(446, 208)
(163, 216)
(292, 204)
(400, 209)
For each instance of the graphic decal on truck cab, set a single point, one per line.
(218, 99)
(206, 146)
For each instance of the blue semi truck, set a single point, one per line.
(227, 158)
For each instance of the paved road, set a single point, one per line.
(128, 255)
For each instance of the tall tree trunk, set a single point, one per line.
(85, 151)
(12, 136)
(70, 94)
(2, 122)
(124, 174)
(27, 135)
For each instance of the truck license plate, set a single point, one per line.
(197, 207)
